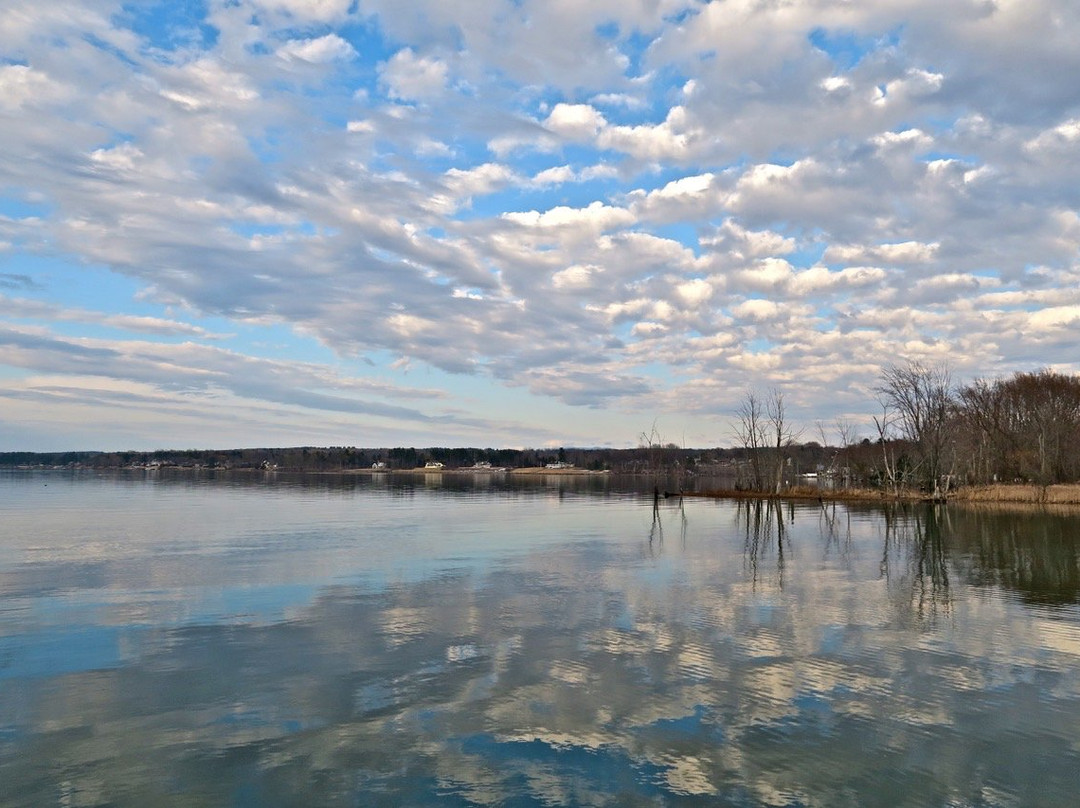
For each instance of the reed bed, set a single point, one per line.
(1031, 494)
(986, 494)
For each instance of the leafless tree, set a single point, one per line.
(1025, 426)
(780, 433)
(764, 431)
(922, 399)
(750, 432)
(846, 437)
(884, 426)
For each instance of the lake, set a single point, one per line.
(172, 639)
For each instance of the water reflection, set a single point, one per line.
(764, 537)
(915, 559)
(656, 531)
(925, 548)
(532, 653)
(1032, 553)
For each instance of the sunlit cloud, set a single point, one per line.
(557, 209)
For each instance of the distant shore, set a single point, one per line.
(1003, 494)
(530, 471)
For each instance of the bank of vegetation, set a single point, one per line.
(1014, 438)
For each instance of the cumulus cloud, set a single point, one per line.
(595, 217)
(575, 121)
(556, 199)
(908, 252)
(317, 51)
(559, 175)
(409, 77)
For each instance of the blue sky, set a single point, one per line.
(351, 222)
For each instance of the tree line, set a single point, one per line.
(927, 434)
(637, 460)
(931, 434)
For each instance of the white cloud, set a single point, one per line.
(743, 243)
(673, 139)
(575, 121)
(766, 275)
(694, 292)
(1060, 140)
(597, 216)
(559, 175)
(908, 252)
(757, 309)
(685, 187)
(409, 77)
(576, 277)
(206, 84)
(556, 175)
(21, 85)
(324, 11)
(757, 210)
(1057, 317)
(317, 51)
(479, 180)
(835, 84)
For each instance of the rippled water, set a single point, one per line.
(265, 641)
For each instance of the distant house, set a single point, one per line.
(378, 465)
(561, 464)
(433, 464)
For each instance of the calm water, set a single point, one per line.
(270, 641)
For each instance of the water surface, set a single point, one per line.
(266, 640)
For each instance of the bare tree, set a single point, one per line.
(780, 434)
(763, 430)
(750, 432)
(922, 399)
(1026, 426)
(884, 426)
(846, 436)
(653, 444)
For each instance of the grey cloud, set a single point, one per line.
(9, 280)
(190, 368)
(32, 309)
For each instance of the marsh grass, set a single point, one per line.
(1066, 494)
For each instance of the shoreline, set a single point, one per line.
(997, 494)
(1005, 494)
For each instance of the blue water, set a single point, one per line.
(263, 640)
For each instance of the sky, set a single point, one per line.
(522, 223)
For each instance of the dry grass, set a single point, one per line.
(810, 492)
(1064, 495)
(1029, 494)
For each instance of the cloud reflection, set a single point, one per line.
(775, 656)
